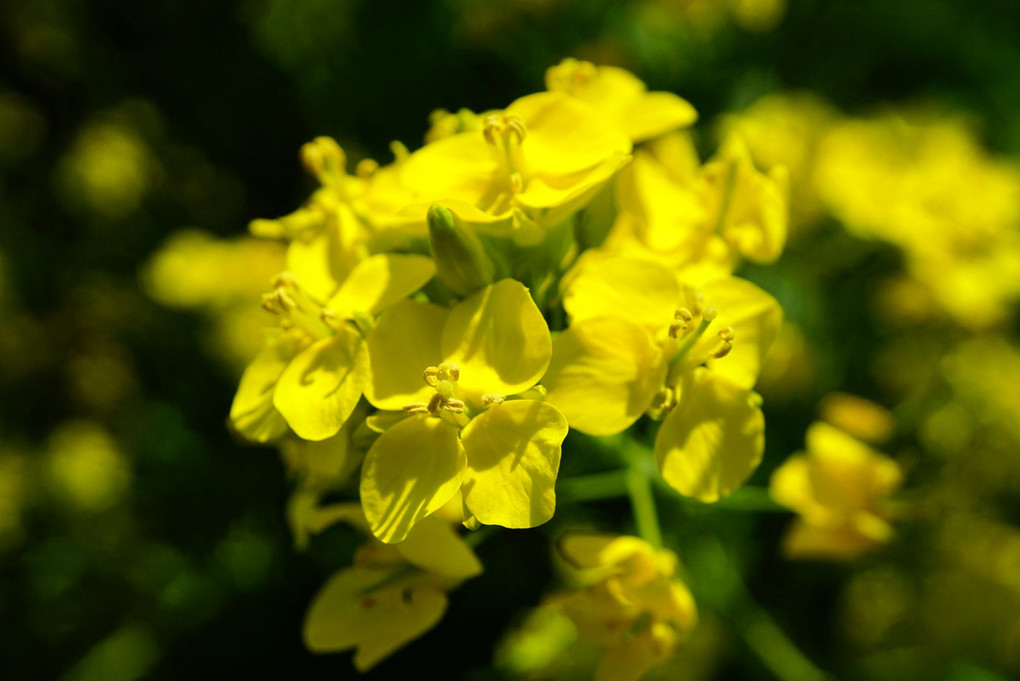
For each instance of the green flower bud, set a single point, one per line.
(461, 261)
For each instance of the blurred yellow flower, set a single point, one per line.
(392, 594)
(630, 602)
(839, 488)
(84, 467)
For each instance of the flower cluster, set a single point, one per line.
(444, 320)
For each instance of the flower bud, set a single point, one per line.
(461, 261)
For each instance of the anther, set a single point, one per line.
(331, 319)
(492, 399)
(727, 334)
(515, 125)
(516, 183)
(416, 408)
(366, 168)
(431, 376)
(454, 406)
(448, 371)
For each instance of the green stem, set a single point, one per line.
(642, 501)
(756, 627)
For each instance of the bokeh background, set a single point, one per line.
(140, 540)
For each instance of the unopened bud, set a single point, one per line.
(461, 261)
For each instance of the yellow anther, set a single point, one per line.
(515, 125)
(709, 314)
(324, 158)
(727, 334)
(416, 408)
(516, 183)
(366, 168)
(721, 350)
(570, 75)
(492, 399)
(431, 376)
(662, 403)
(285, 280)
(677, 329)
(683, 314)
(448, 371)
(454, 406)
(331, 319)
(492, 128)
(436, 403)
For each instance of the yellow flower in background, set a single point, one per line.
(858, 417)
(630, 602)
(925, 185)
(839, 488)
(463, 431)
(621, 98)
(85, 469)
(638, 342)
(392, 594)
(786, 130)
(311, 377)
(528, 168)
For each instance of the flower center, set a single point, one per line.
(443, 379)
(296, 308)
(505, 135)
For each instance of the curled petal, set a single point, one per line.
(252, 412)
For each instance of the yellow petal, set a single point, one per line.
(404, 341)
(434, 545)
(564, 136)
(712, 440)
(845, 473)
(513, 453)
(379, 281)
(656, 113)
(807, 541)
(603, 374)
(321, 386)
(552, 200)
(500, 340)
(252, 412)
(459, 168)
(409, 473)
(640, 290)
(755, 317)
(379, 622)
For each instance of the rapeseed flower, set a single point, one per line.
(638, 343)
(463, 431)
(630, 601)
(839, 488)
(392, 594)
(312, 375)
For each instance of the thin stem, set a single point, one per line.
(642, 501)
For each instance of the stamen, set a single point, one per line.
(662, 403)
(727, 336)
(324, 158)
(366, 168)
(505, 135)
(491, 399)
(298, 309)
(416, 408)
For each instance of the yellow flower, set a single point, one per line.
(925, 185)
(392, 594)
(621, 98)
(630, 602)
(839, 488)
(638, 342)
(312, 376)
(700, 218)
(345, 219)
(528, 167)
(463, 432)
